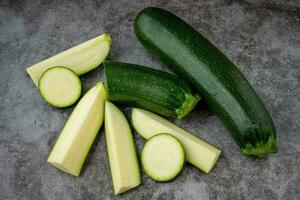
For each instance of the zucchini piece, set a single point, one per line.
(155, 90)
(222, 86)
(121, 150)
(76, 138)
(60, 87)
(81, 58)
(199, 153)
(163, 157)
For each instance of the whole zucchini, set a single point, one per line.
(220, 83)
(144, 87)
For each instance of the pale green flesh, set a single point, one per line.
(78, 134)
(198, 153)
(81, 58)
(163, 157)
(60, 87)
(122, 155)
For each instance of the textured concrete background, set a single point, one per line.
(261, 37)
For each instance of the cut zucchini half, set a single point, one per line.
(76, 138)
(144, 87)
(60, 87)
(81, 58)
(163, 157)
(198, 153)
(121, 150)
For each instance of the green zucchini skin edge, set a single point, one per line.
(219, 82)
(155, 90)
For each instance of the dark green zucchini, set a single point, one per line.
(148, 88)
(220, 83)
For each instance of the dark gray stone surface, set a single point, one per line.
(261, 37)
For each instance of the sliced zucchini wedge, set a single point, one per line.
(81, 58)
(121, 150)
(75, 140)
(198, 152)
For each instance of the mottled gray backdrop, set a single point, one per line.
(261, 36)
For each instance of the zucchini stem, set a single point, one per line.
(261, 149)
(188, 105)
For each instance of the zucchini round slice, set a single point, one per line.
(163, 157)
(60, 86)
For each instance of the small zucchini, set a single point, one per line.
(155, 90)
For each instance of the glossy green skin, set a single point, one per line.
(148, 88)
(217, 79)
